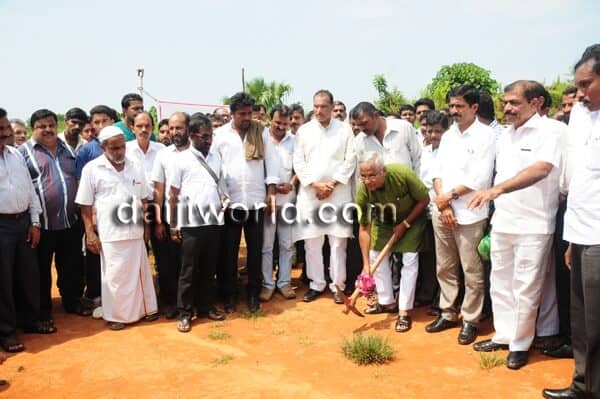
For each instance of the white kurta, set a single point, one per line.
(323, 154)
(127, 287)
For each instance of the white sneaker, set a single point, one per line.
(98, 313)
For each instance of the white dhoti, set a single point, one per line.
(337, 262)
(127, 288)
(408, 279)
(519, 263)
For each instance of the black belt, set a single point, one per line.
(13, 216)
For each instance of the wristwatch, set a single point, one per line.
(454, 194)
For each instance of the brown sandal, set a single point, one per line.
(403, 324)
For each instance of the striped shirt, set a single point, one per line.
(55, 182)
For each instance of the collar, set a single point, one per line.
(60, 146)
(104, 162)
(532, 123)
(286, 136)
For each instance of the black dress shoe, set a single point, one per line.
(311, 295)
(489, 346)
(229, 305)
(184, 324)
(378, 308)
(440, 324)
(171, 312)
(567, 393)
(337, 298)
(212, 314)
(565, 351)
(517, 359)
(253, 304)
(467, 334)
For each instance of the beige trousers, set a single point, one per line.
(453, 249)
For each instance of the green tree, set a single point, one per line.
(389, 100)
(462, 73)
(268, 94)
(556, 89)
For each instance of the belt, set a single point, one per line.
(13, 216)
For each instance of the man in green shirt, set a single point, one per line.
(391, 201)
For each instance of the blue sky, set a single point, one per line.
(61, 54)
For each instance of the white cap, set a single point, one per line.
(109, 132)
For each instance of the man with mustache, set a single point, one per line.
(582, 230)
(464, 164)
(109, 184)
(19, 130)
(166, 250)
(525, 196)
(51, 165)
(75, 120)
(142, 150)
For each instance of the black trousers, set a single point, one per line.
(92, 275)
(65, 247)
(18, 277)
(563, 274)
(585, 317)
(252, 223)
(167, 254)
(428, 288)
(353, 257)
(199, 257)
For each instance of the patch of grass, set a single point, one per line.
(368, 349)
(490, 360)
(218, 335)
(221, 360)
(305, 341)
(279, 331)
(254, 316)
(218, 324)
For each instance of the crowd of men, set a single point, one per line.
(425, 187)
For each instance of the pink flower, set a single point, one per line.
(365, 283)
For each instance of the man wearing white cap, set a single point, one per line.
(115, 188)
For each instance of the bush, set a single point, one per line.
(368, 349)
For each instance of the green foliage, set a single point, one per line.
(268, 94)
(462, 73)
(154, 114)
(368, 349)
(221, 360)
(490, 360)
(389, 100)
(218, 335)
(556, 89)
(259, 314)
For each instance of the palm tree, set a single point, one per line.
(268, 94)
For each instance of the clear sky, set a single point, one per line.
(62, 53)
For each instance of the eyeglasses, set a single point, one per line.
(369, 177)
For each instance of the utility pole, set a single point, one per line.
(140, 74)
(243, 82)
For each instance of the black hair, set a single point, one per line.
(186, 116)
(2, 113)
(531, 88)
(282, 109)
(297, 108)
(41, 114)
(163, 122)
(128, 98)
(395, 115)
(590, 53)
(309, 116)
(340, 103)
(363, 108)
(437, 118)
(149, 116)
(239, 100)
(486, 106)
(326, 93)
(467, 92)
(407, 107)
(425, 101)
(77, 113)
(547, 99)
(103, 109)
(199, 122)
(257, 107)
(571, 90)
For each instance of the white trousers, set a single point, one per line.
(547, 321)
(408, 279)
(337, 262)
(286, 252)
(519, 263)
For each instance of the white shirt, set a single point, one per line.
(198, 190)
(531, 210)
(245, 180)
(80, 142)
(582, 219)
(17, 193)
(466, 159)
(428, 158)
(399, 145)
(322, 154)
(285, 154)
(161, 171)
(103, 187)
(146, 160)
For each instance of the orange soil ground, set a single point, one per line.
(294, 351)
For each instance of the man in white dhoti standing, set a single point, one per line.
(324, 161)
(115, 189)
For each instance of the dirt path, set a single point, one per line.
(294, 351)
